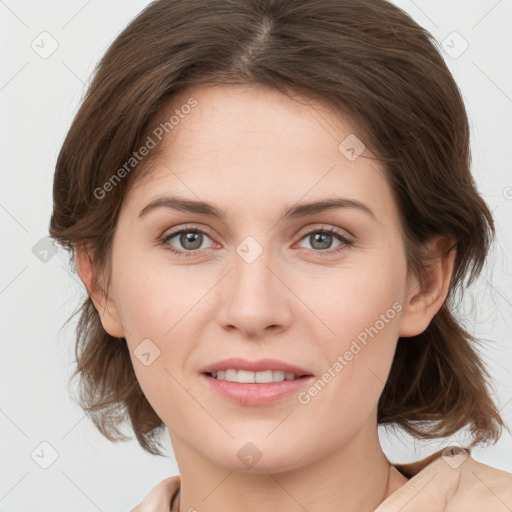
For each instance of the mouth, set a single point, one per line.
(261, 371)
(261, 382)
(251, 377)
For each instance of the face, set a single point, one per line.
(317, 290)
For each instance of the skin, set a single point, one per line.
(253, 151)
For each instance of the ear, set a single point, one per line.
(426, 295)
(105, 306)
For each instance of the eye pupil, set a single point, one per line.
(325, 240)
(191, 237)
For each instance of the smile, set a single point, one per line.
(256, 388)
(249, 377)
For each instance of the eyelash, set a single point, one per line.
(190, 229)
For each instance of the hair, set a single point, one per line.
(366, 59)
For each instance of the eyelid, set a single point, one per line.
(300, 233)
(186, 227)
(325, 227)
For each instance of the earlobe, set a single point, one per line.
(95, 288)
(426, 295)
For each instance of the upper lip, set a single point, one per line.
(260, 365)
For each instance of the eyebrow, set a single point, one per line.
(291, 212)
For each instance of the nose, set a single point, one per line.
(254, 297)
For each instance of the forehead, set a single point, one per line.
(224, 114)
(249, 141)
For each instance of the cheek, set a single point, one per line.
(153, 301)
(354, 298)
(357, 366)
(361, 306)
(159, 307)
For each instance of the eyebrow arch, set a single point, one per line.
(291, 212)
(305, 209)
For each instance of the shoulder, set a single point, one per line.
(482, 487)
(160, 497)
(450, 480)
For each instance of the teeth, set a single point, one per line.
(247, 377)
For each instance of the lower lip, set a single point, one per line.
(257, 394)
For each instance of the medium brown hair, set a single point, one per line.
(365, 58)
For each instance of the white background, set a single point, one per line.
(38, 99)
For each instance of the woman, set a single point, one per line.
(271, 207)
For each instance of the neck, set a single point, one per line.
(355, 477)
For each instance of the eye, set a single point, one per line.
(322, 239)
(190, 239)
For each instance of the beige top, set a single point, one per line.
(450, 480)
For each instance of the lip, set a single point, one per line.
(257, 394)
(260, 365)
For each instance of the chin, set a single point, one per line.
(259, 457)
